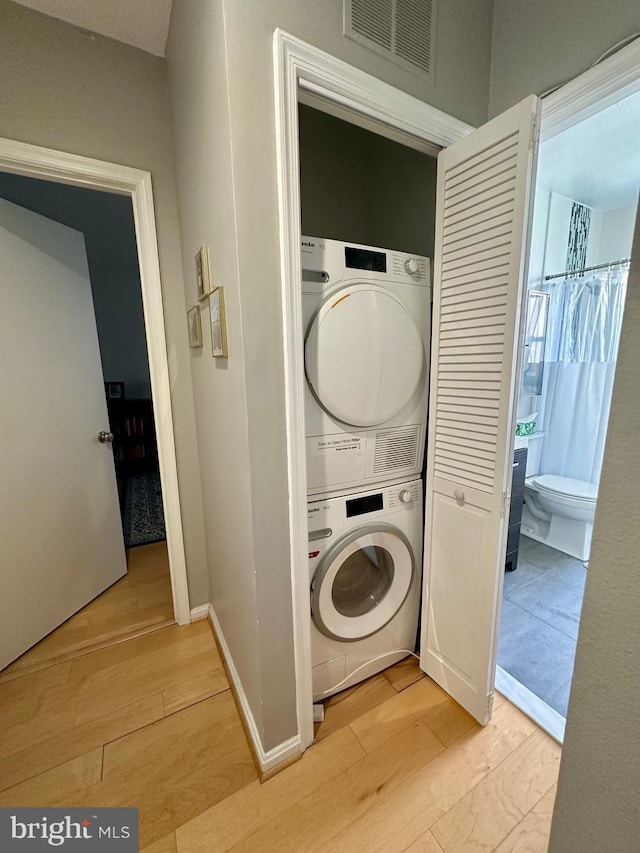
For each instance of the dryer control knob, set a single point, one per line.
(411, 266)
(405, 496)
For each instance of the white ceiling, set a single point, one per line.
(141, 23)
(597, 162)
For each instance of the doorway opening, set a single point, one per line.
(135, 185)
(365, 194)
(140, 601)
(585, 209)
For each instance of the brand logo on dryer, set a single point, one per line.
(307, 243)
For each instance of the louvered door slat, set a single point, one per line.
(485, 177)
(482, 200)
(498, 250)
(481, 161)
(487, 189)
(469, 243)
(474, 233)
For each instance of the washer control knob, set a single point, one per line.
(411, 266)
(405, 496)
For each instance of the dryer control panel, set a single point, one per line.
(326, 263)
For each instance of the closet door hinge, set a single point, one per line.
(534, 134)
(506, 502)
(489, 705)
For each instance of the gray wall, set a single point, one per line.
(360, 187)
(226, 162)
(541, 44)
(62, 89)
(598, 807)
(106, 220)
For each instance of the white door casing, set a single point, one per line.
(60, 527)
(74, 169)
(301, 66)
(482, 214)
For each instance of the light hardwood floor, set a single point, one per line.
(398, 766)
(139, 602)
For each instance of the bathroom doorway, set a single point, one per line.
(585, 208)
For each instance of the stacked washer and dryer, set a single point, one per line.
(366, 354)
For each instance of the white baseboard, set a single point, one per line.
(266, 759)
(201, 612)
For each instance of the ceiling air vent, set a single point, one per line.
(401, 30)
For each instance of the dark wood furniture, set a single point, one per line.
(515, 510)
(134, 438)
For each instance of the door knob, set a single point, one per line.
(105, 437)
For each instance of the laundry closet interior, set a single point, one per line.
(368, 224)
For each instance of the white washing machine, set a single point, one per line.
(365, 566)
(367, 315)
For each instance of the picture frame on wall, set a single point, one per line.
(203, 277)
(195, 327)
(114, 390)
(218, 324)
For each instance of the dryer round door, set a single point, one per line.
(363, 355)
(362, 583)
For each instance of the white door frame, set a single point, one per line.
(605, 84)
(35, 162)
(298, 65)
(600, 87)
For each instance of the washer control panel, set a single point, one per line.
(406, 494)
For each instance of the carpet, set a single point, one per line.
(143, 521)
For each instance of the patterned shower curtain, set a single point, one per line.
(585, 320)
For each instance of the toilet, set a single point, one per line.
(559, 511)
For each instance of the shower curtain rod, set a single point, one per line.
(570, 273)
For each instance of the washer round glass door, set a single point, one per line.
(362, 583)
(363, 355)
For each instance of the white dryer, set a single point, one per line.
(366, 312)
(365, 566)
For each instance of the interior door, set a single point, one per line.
(482, 214)
(60, 530)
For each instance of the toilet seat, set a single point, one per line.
(567, 487)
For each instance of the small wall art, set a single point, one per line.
(203, 278)
(195, 327)
(218, 324)
(114, 390)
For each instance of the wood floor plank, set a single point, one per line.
(487, 814)
(72, 742)
(56, 786)
(311, 822)
(344, 707)
(107, 688)
(531, 835)
(164, 845)
(233, 819)
(193, 690)
(139, 601)
(404, 673)
(77, 706)
(448, 721)
(406, 812)
(202, 751)
(398, 712)
(425, 844)
(22, 700)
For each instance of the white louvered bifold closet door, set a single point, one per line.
(484, 189)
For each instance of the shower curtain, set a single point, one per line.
(585, 319)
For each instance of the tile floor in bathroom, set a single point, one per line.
(540, 617)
